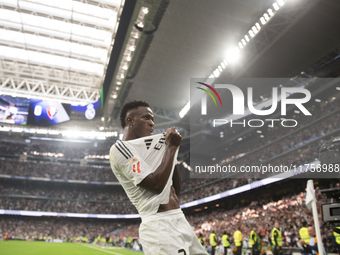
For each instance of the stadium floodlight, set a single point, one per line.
(187, 166)
(140, 24)
(251, 33)
(337, 88)
(255, 30)
(145, 10)
(317, 100)
(185, 110)
(216, 73)
(258, 26)
(266, 16)
(233, 55)
(270, 12)
(281, 2)
(276, 6)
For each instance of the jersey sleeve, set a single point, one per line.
(123, 162)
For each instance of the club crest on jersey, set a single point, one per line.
(51, 112)
(136, 168)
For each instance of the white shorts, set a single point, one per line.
(169, 233)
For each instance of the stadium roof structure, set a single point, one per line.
(56, 49)
(274, 38)
(72, 50)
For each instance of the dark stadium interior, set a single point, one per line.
(56, 180)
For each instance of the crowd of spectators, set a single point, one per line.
(65, 198)
(277, 141)
(295, 149)
(88, 193)
(318, 111)
(208, 186)
(35, 228)
(290, 212)
(66, 206)
(280, 146)
(58, 171)
(55, 150)
(305, 155)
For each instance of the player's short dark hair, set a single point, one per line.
(129, 106)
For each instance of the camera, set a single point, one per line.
(330, 155)
(331, 212)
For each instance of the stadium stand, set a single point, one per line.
(67, 68)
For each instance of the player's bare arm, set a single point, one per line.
(177, 181)
(157, 180)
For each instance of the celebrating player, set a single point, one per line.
(144, 164)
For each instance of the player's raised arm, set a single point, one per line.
(177, 181)
(157, 180)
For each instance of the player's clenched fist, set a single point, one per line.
(173, 137)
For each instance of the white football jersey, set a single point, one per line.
(131, 161)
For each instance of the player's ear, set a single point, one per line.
(129, 121)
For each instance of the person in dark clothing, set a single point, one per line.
(292, 238)
(330, 243)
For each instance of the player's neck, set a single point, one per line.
(128, 135)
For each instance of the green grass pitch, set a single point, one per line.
(42, 248)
